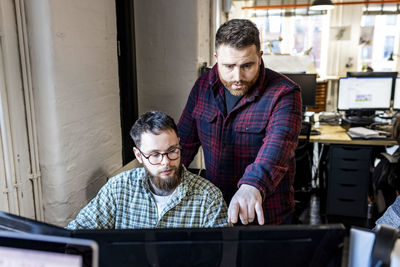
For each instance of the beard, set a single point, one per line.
(246, 85)
(164, 186)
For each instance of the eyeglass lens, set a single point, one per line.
(158, 157)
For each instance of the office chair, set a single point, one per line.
(302, 179)
(301, 150)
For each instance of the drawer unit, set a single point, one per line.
(351, 152)
(348, 177)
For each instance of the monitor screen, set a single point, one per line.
(364, 93)
(396, 99)
(23, 249)
(308, 85)
(307, 245)
(15, 223)
(283, 245)
(361, 243)
(391, 74)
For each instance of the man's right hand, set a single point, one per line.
(247, 202)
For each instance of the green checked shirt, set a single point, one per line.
(125, 201)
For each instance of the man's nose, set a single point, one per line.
(237, 74)
(165, 160)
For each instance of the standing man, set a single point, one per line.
(247, 119)
(161, 194)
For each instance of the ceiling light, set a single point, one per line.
(322, 5)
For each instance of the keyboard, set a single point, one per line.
(315, 132)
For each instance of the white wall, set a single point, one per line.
(76, 91)
(340, 51)
(172, 40)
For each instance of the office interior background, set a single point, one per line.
(75, 74)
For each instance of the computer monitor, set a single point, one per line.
(391, 74)
(361, 245)
(15, 223)
(308, 85)
(368, 93)
(396, 99)
(23, 249)
(283, 245)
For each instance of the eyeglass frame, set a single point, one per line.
(162, 155)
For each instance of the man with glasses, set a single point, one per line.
(161, 194)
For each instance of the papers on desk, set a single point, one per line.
(364, 133)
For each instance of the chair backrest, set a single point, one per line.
(303, 159)
(301, 150)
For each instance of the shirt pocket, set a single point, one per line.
(206, 122)
(249, 133)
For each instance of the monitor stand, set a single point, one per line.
(358, 118)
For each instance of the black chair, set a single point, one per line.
(303, 158)
(304, 140)
(303, 176)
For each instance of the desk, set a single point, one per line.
(337, 135)
(348, 169)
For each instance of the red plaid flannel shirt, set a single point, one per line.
(254, 144)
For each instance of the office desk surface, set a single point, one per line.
(337, 135)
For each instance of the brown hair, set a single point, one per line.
(153, 122)
(238, 33)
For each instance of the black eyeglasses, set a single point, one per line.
(157, 158)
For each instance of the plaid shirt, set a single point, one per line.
(254, 144)
(126, 202)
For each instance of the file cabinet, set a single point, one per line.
(347, 180)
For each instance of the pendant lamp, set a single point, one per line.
(322, 5)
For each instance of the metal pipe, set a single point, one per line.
(22, 55)
(308, 5)
(5, 133)
(217, 14)
(35, 176)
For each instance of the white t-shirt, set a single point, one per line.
(161, 202)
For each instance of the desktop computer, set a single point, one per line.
(269, 245)
(308, 86)
(27, 249)
(360, 97)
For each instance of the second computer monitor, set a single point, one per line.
(396, 102)
(369, 93)
(391, 74)
(308, 85)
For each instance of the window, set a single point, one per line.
(366, 52)
(294, 34)
(389, 46)
(391, 20)
(381, 41)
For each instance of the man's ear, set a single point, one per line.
(261, 53)
(138, 155)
